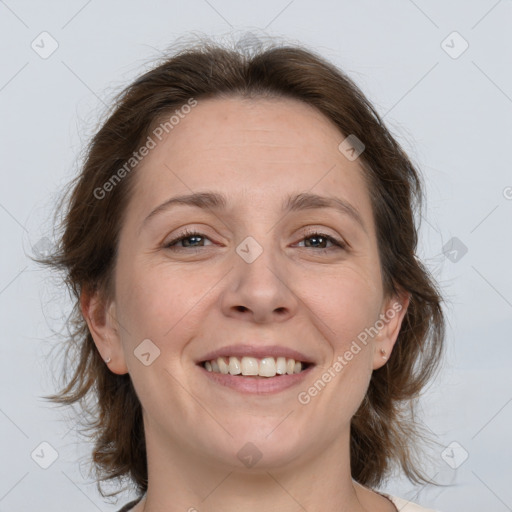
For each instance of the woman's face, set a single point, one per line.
(259, 278)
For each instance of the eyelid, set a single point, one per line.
(318, 231)
(307, 232)
(188, 232)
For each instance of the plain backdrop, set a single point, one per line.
(438, 72)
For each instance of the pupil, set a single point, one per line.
(316, 238)
(191, 238)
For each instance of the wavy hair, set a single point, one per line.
(384, 430)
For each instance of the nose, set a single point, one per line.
(259, 291)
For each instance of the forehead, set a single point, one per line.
(264, 148)
(277, 128)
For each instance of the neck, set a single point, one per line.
(180, 479)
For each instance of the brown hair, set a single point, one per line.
(384, 431)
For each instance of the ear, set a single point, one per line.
(101, 319)
(391, 317)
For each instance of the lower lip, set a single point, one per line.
(257, 385)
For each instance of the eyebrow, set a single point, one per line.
(217, 201)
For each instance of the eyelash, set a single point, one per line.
(337, 244)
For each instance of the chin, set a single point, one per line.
(259, 449)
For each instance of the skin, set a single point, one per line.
(189, 302)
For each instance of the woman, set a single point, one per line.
(250, 314)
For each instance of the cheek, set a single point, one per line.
(158, 301)
(144, 302)
(347, 302)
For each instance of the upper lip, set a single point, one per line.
(257, 351)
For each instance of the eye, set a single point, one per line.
(194, 236)
(193, 240)
(323, 238)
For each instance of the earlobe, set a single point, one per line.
(102, 323)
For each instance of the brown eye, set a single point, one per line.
(320, 239)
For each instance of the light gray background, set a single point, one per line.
(452, 115)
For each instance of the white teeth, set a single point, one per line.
(281, 365)
(223, 367)
(268, 367)
(252, 366)
(249, 366)
(234, 366)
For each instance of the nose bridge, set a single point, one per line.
(258, 282)
(258, 262)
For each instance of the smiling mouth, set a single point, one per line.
(255, 367)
